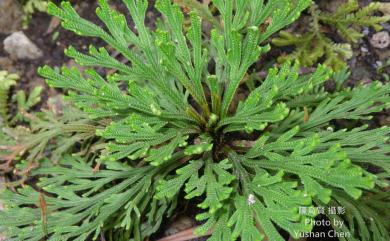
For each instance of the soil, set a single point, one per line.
(44, 31)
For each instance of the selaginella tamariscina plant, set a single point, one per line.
(174, 131)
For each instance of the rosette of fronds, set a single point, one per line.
(314, 45)
(172, 128)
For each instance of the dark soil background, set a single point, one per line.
(51, 39)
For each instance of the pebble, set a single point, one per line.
(366, 31)
(18, 46)
(380, 40)
(364, 49)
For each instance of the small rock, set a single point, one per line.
(21, 47)
(366, 31)
(10, 16)
(364, 49)
(380, 40)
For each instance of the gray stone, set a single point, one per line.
(20, 47)
(380, 40)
